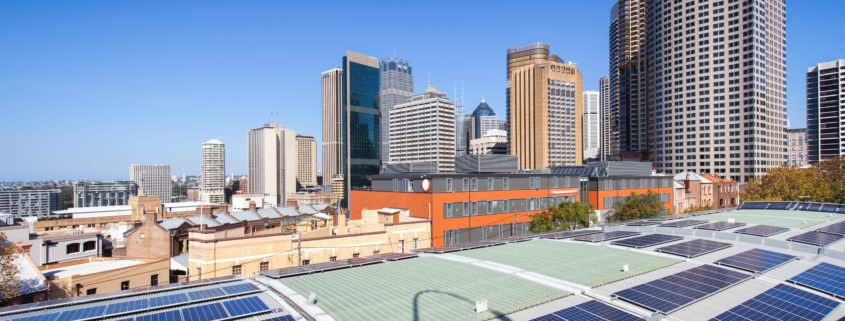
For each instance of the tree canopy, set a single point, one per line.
(635, 207)
(822, 182)
(564, 216)
(9, 274)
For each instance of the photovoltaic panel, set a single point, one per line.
(459, 247)
(683, 223)
(694, 248)
(606, 236)
(781, 302)
(779, 205)
(829, 208)
(754, 205)
(756, 260)
(836, 228)
(816, 238)
(590, 310)
(673, 292)
(83, 313)
(762, 230)
(815, 207)
(128, 306)
(568, 234)
(394, 256)
(512, 239)
(245, 306)
(206, 294)
(719, 226)
(166, 300)
(168, 315)
(40, 317)
(320, 267)
(824, 277)
(240, 288)
(281, 318)
(643, 223)
(647, 240)
(206, 312)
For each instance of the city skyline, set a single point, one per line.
(191, 79)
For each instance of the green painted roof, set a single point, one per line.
(791, 219)
(420, 289)
(588, 265)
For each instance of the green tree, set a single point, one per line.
(9, 274)
(790, 183)
(564, 216)
(635, 207)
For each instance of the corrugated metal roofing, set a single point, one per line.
(269, 213)
(246, 215)
(288, 211)
(305, 209)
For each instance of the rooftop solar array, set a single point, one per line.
(394, 256)
(694, 248)
(824, 277)
(512, 239)
(781, 302)
(647, 240)
(459, 247)
(319, 267)
(754, 205)
(590, 310)
(762, 230)
(836, 229)
(568, 234)
(676, 291)
(643, 223)
(781, 205)
(683, 223)
(756, 260)
(669, 217)
(606, 236)
(719, 226)
(816, 238)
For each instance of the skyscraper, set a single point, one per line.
(332, 101)
(606, 120)
(544, 103)
(103, 193)
(719, 86)
(423, 130)
(306, 164)
(154, 179)
(272, 162)
(797, 151)
(610, 150)
(591, 129)
(824, 102)
(361, 130)
(397, 84)
(483, 119)
(633, 79)
(213, 172)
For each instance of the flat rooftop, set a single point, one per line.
(782, 218)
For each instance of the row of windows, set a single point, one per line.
(87, 246)
(609, 201)
(460, 209)
(636, 183)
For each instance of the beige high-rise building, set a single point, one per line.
(306, 166)
(332, 101)
(423, 130)
(545, 105)
(213, 172)
(797, 151)
(272, 162)
(154, 179)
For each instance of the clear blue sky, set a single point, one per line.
(87, 88)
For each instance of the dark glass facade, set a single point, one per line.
(362, 125)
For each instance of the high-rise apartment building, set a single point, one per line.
(633, 79)
(397, 84)
(610, 150)
(361, 132)
(591, 125)
(482, 120)
(332, 102)
(37, 202)
(306, 164)
(719, 85)
(103, 193)
(825, 129)
(213, 184)
(544, 104)
(604, 115)
(272, 162)
(797, 150)
(423, 130)
(154, 179)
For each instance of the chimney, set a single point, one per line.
(686, 183)
(291, 202)
(252, 206)
(151, 216)
(224, 208)
(25, 247)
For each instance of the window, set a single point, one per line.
(416, 243)
(474, 184)
(401, 246)
(466, 184)
(263, 266)
(490, 207)
(530, 204)
(90, 225)
(154, 280)
(395, 185)
(354, 255)
(474, 208)
(104, 224)
(72, 248)
(89, 246)
(448, 184)
(554, 182)
(236, 270)
(505, 206)
(567, 181)
(253, 229)
(199, 273)
(447, 210)
(332, 258)
(124, 285)
(376, 252)
(505, 183)
(608, 184)
(91, 291)
(306, 262)
(489, 183)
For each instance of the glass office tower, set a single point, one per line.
(361, 121)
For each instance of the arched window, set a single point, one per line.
(72, 248)
(89, 246)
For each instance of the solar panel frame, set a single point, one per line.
(781, 302)
(168, 300)
(643, 223)
(590, 310)
(683, 223)
(206, 294)
(117, 308)
(835, 229)
(245, 306)
(207, 312)
(694, 248)
(458, 247)
(824, 277)
(281, 318)
(816, 238)
(319, 267)
(166, 315)
(569, 234)
(762, 230)
(395, 256)
(240, 288)
(647, 240)
(605, 236)
(40, 317)
(82, 313)
(719, 226)
(779, 205)
(757, 260)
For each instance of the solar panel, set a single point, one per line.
(836, 228)
(281, 318)
(719, 226)
(779, 205)
(206, 312)
(245, 306)
(394, 256)
(683, 223)
(643, 223)
(167, 315)
(647, 240)
(590, 310)
(815, 207)
(606, 236)
(173, 299)
(669, 217)
(568, 234)
(816, 238)
(513, 239)
(83, 313)
(240, 288)
(762, 230)
(128, 306)
(829, 208)
(40, 317)
(781, 302)
(459, 247)
(756, 260)
(673, 292)
(753, 205)
(694, 248)
(320, 267)
(206, 294)
(824, 277)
